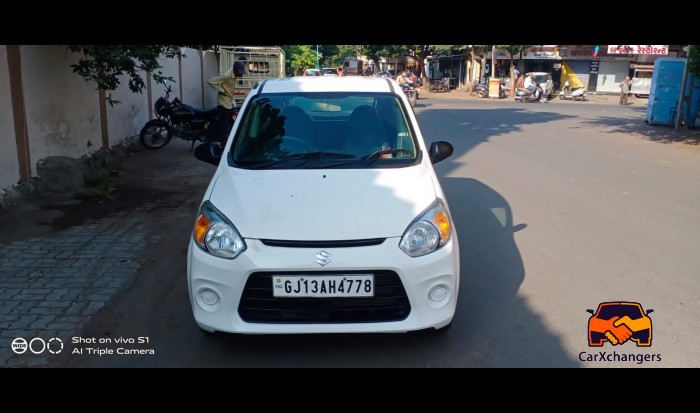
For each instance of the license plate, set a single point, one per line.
(323, 286)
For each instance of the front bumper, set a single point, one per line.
(214, 279)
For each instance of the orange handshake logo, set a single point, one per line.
(618, 322)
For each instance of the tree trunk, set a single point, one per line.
(471, 72)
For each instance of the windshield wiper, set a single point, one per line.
(319, 154)
(262, 164)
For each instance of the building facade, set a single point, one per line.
(600, 68)
(47, 110)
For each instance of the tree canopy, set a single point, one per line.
(300, 57)
(106, 64)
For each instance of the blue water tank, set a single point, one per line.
(666, 90)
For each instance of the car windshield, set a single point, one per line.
(328, 71)
(541, 78)
(609, 311)
(323, 130)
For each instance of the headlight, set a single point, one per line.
(428, 232)
(215, 234)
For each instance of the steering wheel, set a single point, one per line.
(383, 152)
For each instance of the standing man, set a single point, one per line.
(225, 85)
(625, 88)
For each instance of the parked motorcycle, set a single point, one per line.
(174, 118)
(483, 91)
(524, 95)
(578, 94)
(438, 85)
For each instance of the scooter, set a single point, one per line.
(579, 94)
(483, 91)
(411, 93)
(524, 95)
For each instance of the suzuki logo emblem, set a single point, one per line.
(323, 258)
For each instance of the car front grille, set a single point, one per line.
(389, 303)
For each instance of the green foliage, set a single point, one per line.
(513, 49)
(99, 184)
(105, 64)
(332, 55)
(300, 57)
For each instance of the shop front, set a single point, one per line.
(447, 67)
(543, 59)
(604, 69)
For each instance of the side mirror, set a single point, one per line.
(209, 152)
(649, 311)
(440, 150)
(590, 311)
(519, 227)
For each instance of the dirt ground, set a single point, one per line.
(144, 177)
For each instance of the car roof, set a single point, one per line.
(327, 84)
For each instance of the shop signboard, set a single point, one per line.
(638, 49)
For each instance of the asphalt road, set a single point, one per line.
(559, 207)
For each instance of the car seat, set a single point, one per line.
(297, 123)
(365, 131)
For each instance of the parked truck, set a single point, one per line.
(262, 62)
(352, 66)
(641, 80)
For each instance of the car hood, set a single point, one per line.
(323, 204)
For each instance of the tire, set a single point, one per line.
(561, 97)
(412, 99)
(156, 133)
(482, 94)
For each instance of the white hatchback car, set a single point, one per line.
(325, 215)
(545, 81)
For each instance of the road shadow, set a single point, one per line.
(636, 126)
(476, 126)
(498, 324)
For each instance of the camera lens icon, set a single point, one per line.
(37, 345)
(19, 345)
